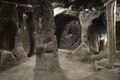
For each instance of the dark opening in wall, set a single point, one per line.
(118, 35)
(67, 30)
(97, 33)
(118, 1)
(7, 39)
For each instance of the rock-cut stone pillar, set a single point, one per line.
(47, 64)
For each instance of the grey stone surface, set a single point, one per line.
(7, 59)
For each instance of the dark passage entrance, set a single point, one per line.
(7, 35)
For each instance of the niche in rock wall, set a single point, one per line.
(68, 31)
(7, 35)
(70, 38)
(118, 29)
(118, 35)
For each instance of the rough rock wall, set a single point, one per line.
(10, 34)
(9, 24)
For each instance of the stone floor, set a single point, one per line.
(72, 70)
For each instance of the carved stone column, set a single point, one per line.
(85, 18)
(47, 64)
